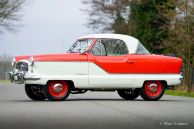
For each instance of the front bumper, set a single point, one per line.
(16, 76)
(20, 77)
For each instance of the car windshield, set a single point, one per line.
(141, 49)
(80, 46)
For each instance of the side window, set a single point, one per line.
(115, 47)
(99, 49)
(121, 48)
(109, 47)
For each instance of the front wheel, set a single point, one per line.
(152, 90)
(57, 90)
(128, 94)
(34, 92)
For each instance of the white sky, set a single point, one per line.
(46, 23)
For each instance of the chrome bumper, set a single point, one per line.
(20, 77)
(16, 76)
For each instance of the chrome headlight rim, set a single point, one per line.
(31, 61)
(25, 65)
(13, 62)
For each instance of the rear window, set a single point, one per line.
(141, 49)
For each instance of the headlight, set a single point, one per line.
(22, 66)
(13, 61)
(31, 60)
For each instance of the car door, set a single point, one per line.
(108, 63)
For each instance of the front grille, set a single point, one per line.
(22, 66)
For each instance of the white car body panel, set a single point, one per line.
(88, 75)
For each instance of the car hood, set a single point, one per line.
(54, 57)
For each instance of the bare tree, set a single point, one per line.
(103, 13)
(5, 66)
(9, 13)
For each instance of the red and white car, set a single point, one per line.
(98, 62)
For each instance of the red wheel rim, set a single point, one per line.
(153, 88)
(58, 89)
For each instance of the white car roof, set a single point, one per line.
(130, 41)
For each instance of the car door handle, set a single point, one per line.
(129, 61)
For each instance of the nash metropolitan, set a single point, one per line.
(98, 62)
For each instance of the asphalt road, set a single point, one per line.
(92, 110)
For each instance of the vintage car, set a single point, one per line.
(98, 62)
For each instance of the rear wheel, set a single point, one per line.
(152, 90)
(128, 94)
(34, 92)
(57, 90)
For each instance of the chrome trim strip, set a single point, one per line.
(32, 78)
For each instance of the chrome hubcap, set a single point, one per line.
(153, 87)
(58, 87)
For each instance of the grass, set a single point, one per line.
(179, 93)
(4, 81)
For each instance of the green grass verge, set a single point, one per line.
(4, 81)
(179, 93)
